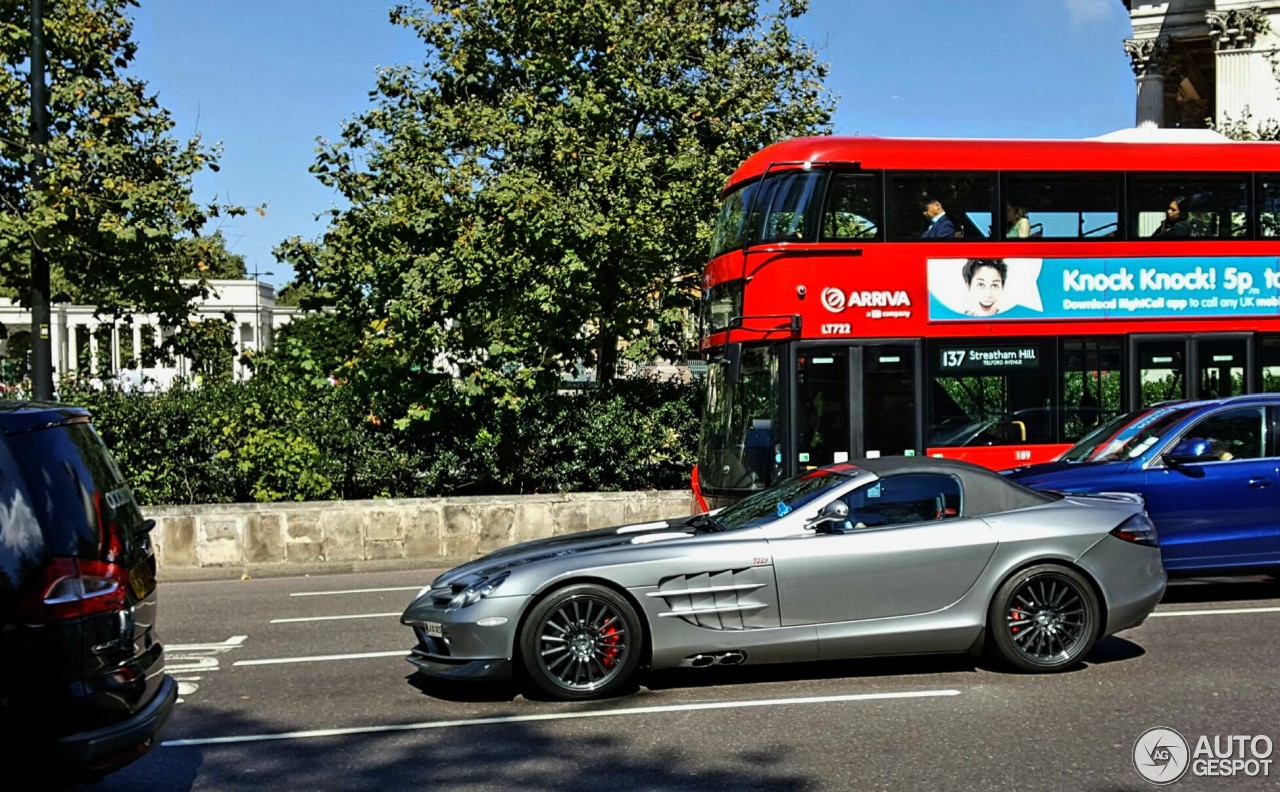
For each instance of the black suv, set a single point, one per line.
(82, 682)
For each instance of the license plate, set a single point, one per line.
(142, 580)
(434, 629)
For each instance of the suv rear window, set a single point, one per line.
(73, 486)
(21, 540)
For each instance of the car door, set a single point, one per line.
(903, 551)
(1220, 512)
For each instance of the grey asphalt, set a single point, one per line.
(721, 728)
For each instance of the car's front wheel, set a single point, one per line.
(581, 642)
(1043, 619)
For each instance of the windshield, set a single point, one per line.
(1127, 436)
(781, 500)
(776, 208)
(721, 304)
(739, 448)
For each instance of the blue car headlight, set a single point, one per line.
(477, 591)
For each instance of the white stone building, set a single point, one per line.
(83, 343)
(1204, 59)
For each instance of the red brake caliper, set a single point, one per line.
(610, 637)
(1016, 616)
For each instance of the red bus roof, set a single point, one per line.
(1166, 150)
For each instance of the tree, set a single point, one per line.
(116, 198)
(545, 183)
(207, 257)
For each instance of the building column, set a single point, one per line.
(73, 348)
(93, 350)
(1237, 65)
(115, 349)
(57, 343)
(1148, 57)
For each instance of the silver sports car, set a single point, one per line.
(898, 555)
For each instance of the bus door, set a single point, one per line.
(1200, 366)
(854, 400)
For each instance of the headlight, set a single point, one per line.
(477, 591)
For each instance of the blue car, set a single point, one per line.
(1209, 471)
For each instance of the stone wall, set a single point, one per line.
(220, 540)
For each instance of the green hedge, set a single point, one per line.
(274, 438)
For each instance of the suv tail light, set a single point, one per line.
(74, 587)
(1137, 529)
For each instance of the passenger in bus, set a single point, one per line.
(940, 226)
(1176, 225)
(1019, 223)
(984, 279)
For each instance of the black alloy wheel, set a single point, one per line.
(1044, 618)
(581, 642)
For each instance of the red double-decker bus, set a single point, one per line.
(988, 300)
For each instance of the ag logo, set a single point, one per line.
(833, 299)
(1160, 755)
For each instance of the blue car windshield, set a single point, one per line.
(781, 499)
(1127, 436)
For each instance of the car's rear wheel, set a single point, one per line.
(581, 642)
(1044, 619)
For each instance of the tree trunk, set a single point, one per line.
(607, 359)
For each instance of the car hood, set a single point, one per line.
(1072, 476)
(582, 542)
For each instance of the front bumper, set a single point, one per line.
(476, 642)
(494, 670)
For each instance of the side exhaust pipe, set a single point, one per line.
(730, 658)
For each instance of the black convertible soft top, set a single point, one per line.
(985, 491)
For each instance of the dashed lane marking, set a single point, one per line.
(319, 658)
(333, 618)
(354, 591)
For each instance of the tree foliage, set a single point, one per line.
(116, 193)
(1246, 128)
(543, 185)
(280, 437)
(207, 257)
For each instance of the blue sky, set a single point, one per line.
(266, 78)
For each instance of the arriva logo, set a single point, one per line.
(835, 300)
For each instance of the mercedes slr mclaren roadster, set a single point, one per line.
(897, 555)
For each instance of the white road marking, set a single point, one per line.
(354, 591)
(182, 661)
(333, 618)
(1216, 612)
(551, 716)
(319, 658)
(231, 643)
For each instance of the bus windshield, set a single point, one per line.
(739, 446)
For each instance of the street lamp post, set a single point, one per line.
(41, 344)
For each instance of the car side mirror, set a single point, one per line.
(834, 512)
(1190, 449)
